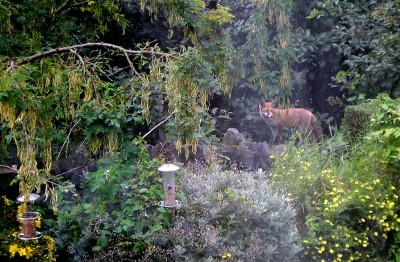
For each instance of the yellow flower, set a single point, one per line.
(6, 201)
(50, 243)
(21, 208)
(226, 256)
(22, 252)
(38, 222)
(13, 249)
(29, 252)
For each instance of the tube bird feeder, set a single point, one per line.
(29, 222)
(168, 171)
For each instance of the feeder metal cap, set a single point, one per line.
(168, 168)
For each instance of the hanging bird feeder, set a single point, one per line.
(29, 221)
(168, 171)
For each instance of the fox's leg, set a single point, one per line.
(313, 137)
(280, 134)
(317, 130)
(274, 134)
(308, 130)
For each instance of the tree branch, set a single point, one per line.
(59, 9)
(74, 47)
(67, 4)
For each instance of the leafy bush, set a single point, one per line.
(370, 60)
(117, 210)
(386, 130)
(348, 199)
(234, 216)
(356, 120)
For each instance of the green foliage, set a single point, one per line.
(117, 207)
(44, 104)
(348, 199)
(395, 247)
(200, 70)
(356, 120)
(386, 130)
(190, 77)
(231, 216)
(29, 27)
(265, 56)
(75, 98)
(370, 57)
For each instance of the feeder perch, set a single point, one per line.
(168, 171)
(28, 221)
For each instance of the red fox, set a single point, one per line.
(277, 119)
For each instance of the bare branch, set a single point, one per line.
(67, 139)
(159, 124)
(59, 9)
(67, 4)
(79, 4)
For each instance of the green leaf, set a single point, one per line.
(102, 241)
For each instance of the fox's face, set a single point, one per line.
(266, 110)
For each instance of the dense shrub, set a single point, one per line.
(385, 124)
(356, 120)
(348, 198)
(117, 211)
(231, 215)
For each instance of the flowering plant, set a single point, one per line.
(11, 247)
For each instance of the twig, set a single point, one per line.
(159, 124)
(66, 172)
(67, 139)
(78, 55)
